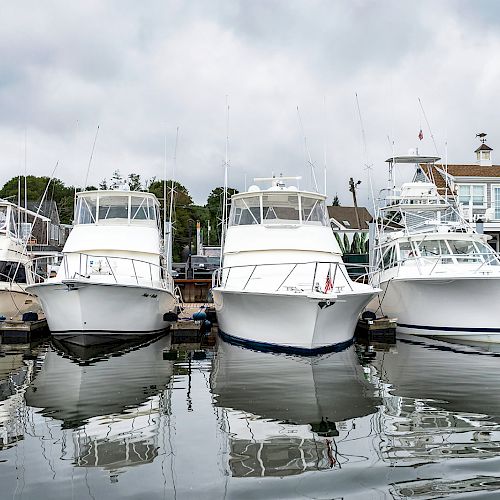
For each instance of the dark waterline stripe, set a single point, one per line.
(268, 347)
(450, 328)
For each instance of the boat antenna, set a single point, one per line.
(306, 151)
(428, 126)
(224, 197)
(25, 174)
(368, 165)
(324, 140)
(171, 207)
(90, 159)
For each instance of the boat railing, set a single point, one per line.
(426, 265)
(114, 269)
(296, 277)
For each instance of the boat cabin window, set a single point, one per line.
(406, 250)
(245, 211)
(388, 259)
(3, 218)
(8, 272)
(280, 208)
(86, 210)
(142, 208)
(313, 211)
(113, 207)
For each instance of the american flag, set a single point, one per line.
(328, 283)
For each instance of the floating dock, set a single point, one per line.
(377, 329)
(22, 331)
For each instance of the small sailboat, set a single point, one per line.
(113, 281)
(438, 276)
(283, 284)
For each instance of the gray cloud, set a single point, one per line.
(141, 70)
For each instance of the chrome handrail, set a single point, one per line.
(221, 281)
(166, 281)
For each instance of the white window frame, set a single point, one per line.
(472, 184)
(492, 198)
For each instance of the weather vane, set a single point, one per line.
(482, 137)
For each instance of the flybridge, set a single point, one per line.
(277, 205)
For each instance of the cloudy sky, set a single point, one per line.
(139, 70)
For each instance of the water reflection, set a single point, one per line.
(284, 412)
(109, 396)
(418, 419)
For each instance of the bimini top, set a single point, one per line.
(413, 159)
(116, 207)
(278, 205)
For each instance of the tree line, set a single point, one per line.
(185, 215)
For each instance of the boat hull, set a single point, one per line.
(284, 322)
(87, 313)
(15, 301)
(454, 307)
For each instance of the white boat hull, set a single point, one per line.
(15, 301)
(293, 322)
(85, 312)
(456, 307)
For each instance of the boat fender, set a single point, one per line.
(368, 315)
(199, 316)
(170, 316)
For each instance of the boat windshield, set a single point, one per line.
(92, 208)
(142, 208)
(86, 209)
(278, 208)
(449, 251)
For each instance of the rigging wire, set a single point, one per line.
(306, 151)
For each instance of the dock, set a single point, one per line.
(18, 331)
(377, 329)
(192, 335)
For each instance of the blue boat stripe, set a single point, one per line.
(450, 328)
(268, 347)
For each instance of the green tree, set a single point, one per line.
(215, 202)
(134, 182)
(335, 202)
(61, 194)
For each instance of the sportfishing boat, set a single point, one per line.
(283, 284)
(113, 280)
(16, 267)
(438, 276)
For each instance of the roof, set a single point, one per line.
(473, 170)
(483, 147)
(346, 216)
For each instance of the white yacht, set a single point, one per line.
(283, 284)
(438, 276)
(112, 280)
(16, 267)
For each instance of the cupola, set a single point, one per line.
(483, 152)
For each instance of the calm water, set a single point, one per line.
(418, 420)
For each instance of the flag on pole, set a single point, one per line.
(420, 135)
(328, 283)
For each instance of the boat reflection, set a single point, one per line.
(283, 412)
(437, 401)
(111, 399)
